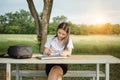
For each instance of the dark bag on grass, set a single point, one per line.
(20, 51)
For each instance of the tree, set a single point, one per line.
(59, 19)
(21, 20)
(56, 21)
(41, 23)
(116, 29)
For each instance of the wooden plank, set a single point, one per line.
(74, 59)
(32, 73)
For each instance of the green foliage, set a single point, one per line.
(84, 29)
(22, 23)
(52, 28)
(12, 29)
(17, 23)
(59, 19)
(74, 29)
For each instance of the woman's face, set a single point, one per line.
(61, 34)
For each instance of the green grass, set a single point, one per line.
(7, 40)
(91, 44)
(96, 44)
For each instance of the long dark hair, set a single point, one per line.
(65, 26)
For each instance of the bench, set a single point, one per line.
(32, 73)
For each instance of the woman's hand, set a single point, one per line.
(48, 51)
(66, 52)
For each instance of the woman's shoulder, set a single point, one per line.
(51, 38)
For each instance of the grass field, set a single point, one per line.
(7, 40)
(96, 44)
(92, 44)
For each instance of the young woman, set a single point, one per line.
(62, 45)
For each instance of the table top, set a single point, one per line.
(74, 59)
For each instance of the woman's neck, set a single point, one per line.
(59, 40)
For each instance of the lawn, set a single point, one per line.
(96, 44)
(7, 40)
(83, 44)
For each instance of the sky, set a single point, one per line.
(77, 11)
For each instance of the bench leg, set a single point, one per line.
(17, 72)
(107, 72)
(8, 71)
(20, 77)
(98, 72)
(93, 78)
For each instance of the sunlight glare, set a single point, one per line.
(100, 20)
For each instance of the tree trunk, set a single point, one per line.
(36, 20)
(41, 26)
(45, 20)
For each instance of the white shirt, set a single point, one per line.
(53, 44)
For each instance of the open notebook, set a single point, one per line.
(51, 57)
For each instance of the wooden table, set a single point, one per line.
(74, 59)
